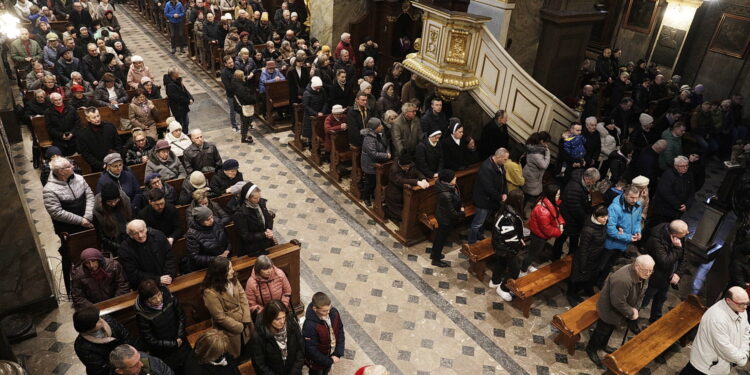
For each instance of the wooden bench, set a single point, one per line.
(382, 174)
(525, 288)
(430, 221)
(92, 179)
(277, 96)
(340, 153)
(357, 173)
(298, 113)
(656, 338)
(176, 184)
(318, 138)
(187, 288)
(162, 112)
(75, 243)
(81, 163)
(571, 323)
(418, 201)
(40, 139)
(478, 253)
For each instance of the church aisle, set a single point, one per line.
(398, 310)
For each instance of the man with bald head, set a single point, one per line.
(620, 297)
(665, 245)
(723, 336)
(146, 254)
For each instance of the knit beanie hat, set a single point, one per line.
(645, 118)
(174, 125)
(230, 164)
(110, 192)
(364, 85)
(201, 214)
(198, 180)
(52, 151)
(316, 82)
(149, 177)
(91, 254)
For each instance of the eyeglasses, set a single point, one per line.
(741, 304)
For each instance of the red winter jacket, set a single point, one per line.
(545, 220)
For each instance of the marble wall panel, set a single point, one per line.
(525, 27)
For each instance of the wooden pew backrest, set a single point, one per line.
(39, 126)
(574, 321)
(525, 288)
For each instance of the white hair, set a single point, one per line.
(644, 261)
(58, 164)
(591, 120)
(134, 225)
(119, 354)
(136, 58)
(345, 35)
(75, 74)
(195, 131)
(681, 160)
(55, 95)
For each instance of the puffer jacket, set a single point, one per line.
(266, 355)
(507, 233)
(170, 169)
(178, 145)
(57, 191)
(86, 290)
(576, 203)
(134, 154)
(586, 260)
(448, 209)
(537, 162)
(429, 159)
(545, 220)
(375, 149)
(251, 228)
(318, 340)
(206, 243)
(260, 291)
(160, 329)
(627, 218)
(219, 214)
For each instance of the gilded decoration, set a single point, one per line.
(440, 78)
(458, 46)
(432, 41)
(447, 94)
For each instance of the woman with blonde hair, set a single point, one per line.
(211, 355)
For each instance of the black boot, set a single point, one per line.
(594, 357)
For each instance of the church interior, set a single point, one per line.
(466, 186)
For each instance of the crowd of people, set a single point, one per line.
(642, 145)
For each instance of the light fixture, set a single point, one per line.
(9, 26)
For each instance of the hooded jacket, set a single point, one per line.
(507, 233)
(206, 243)
(375, 149)
(545, 220)
(537, 162)
(318, 350)
(86, 290)
(170, 169)
(260, 291)
(160, 329)
(266, 355)
(56, 192)
(149, 260)
(627, 218)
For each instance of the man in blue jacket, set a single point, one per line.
(324, 335)
(623, 228)
(489, 190)
(175, 13)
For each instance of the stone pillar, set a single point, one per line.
(562, 44)
(500, 12)
(330, 18)
(25, 278)
(672, 33)
(321, 21)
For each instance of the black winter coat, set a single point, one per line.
(739, 268)
(586, 261)
(490, 185)
(457, 156)
(576, 203)
(96, 356)
(251, 228)
(266, 355)
(94, 143)
(493, 137)
(505, 242)
(618, 164)
(149, 260)
(243, 92)
(314, 102)
(166, 222)
(429, 159)
(61, 123)
(341, 96)
(206, 243)
(669, 259)
(593, 146)
(220, 182)
(448, 209)
(356, 121)
(432, 122)
(178, 95)
(204, 158)
(160, 329)
(297, 83)
(672, 191)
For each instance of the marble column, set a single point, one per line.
(330, 18)
(25, 278)
(500, 12)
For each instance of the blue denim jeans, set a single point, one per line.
(232, 113)
(475, 230)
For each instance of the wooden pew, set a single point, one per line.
(298, 113)
(318, 138)
(357, 173)
(58, 26)
(187, 288)
(656, 338)
(40, 139)
(571, 323)
(340, 152)
(162, 112)
(382, 174)
(277, 96)
(176, 185)
(75, 243)
(418, 201)
(182, 216)
(525, 288)
(139, 171)
(92, 179)
(478, 253)
(81, 163)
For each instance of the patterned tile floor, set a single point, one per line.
(398, 311)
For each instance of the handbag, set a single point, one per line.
(247, 110)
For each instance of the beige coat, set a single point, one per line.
(230, 314)
(142, 119)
